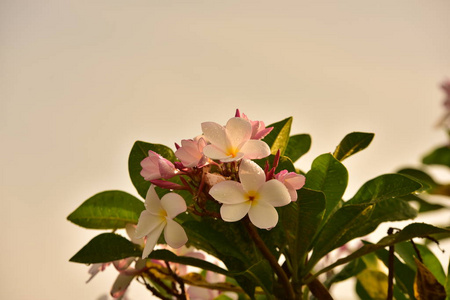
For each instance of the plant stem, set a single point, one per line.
(319, 290)
(270, 258)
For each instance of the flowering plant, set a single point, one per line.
(234, 194)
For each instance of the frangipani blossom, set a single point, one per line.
(259, 129)
(158, 216)
(292, 181)
(232, 142)
(125, 277)
(253, 196)
(155, 167)
(191, 153)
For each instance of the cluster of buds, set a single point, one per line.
(216, 166)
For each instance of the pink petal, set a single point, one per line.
(173, 204)
(147, 223)
(293, 194)
(296, 181)
(234, 212)
(174, 234)
(215, 134)
(251, 175)
(229, 192)
(152, 239)
(263, 215)
(150, 169)
(255, 149)
(238, 132)
(274, 193)
(120, 285)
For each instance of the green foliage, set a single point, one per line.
(106, 247)
(108, 210)
(298, 146)
(352, 143)
(439, 156)
(278, 138)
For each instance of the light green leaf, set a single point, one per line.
(278, 138)
(298, 145)
(329, 176)
(352, 143)
(440, 156)
(108, 210)
(106, 247)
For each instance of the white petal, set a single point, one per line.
(214, 152)
(274, 193)
(173, 204)
(237, 157)
(229, 192)
(147, 223)
(238, 131)
(255, 149)
(263, 215)
(120, 285)
(215, 134)
(152, 239)
(152, 202)
(251, 175)
(174, 234)
(234, 212)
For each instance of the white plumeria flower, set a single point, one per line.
(253, 195)
(233, 142)
(158, 216)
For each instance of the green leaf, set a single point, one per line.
(300, 221)
(285, 163)
(137, 154)
(440, 156)
(385, 187)
(351, 269)
(374, 282)
(409, 232)
(167, 255)
(106, 247)
(278, 138)
(447, 283)
(329, 176)
(108, 210)
(261, 273)
(352, 143)
(420, 176)
(424, 206)
(298, 145)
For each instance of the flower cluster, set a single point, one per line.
(216, 166)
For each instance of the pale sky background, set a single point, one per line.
(80, 81)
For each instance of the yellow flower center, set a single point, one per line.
(252, 196)
(232, 151)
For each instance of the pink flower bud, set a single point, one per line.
(155, 167)
(292, 181)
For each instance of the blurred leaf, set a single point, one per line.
(439, 156)
(298, 145)
(352, 143)
(411, 231)
(361, 292)
(278, 138)
(447, 283)
(329, 176)
(426, 287)
(351, 269)
(108, 210)
(374, 282)
(106, 247)
(424, 206)
(420, 176)
(138, 153)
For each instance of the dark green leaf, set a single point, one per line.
(352, 143)
(420, 176)
(137, 154)
(108, 210)
(285, 163)
(351, 269)
(440, 156)
(106, 247)
(328, 176)
(298, 145)
(278, 138)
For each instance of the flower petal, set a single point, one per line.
(214, 152)
(234, 212)
(152, 239)
(215, 134)
(152, 202)
(147, 223)
(237, 157)
(238, 131)
(174, 234)
(120, 285)
(274, 193)
(173, 204)
(263, 215)
(251, 175)
(229, 192)
(255, 149)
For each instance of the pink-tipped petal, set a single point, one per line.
(215, 134)
(251, 175)
(120, 285)
(229, 192)
(293, 194)
(152, 239)
(174, 234)
(238, 132)
(173, 204)
(147, 223)
(263, 215)
(274, 193)
(234, 212)
(255, 149)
